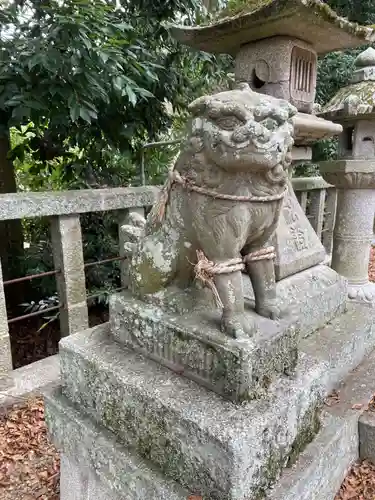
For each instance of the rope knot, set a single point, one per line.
(205, 270)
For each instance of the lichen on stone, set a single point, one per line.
(363, 91)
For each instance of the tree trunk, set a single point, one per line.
(11, 237)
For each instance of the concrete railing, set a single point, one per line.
(64, 209)
(317, 198)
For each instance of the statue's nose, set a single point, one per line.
(251, 130)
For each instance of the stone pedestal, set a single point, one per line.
(353, 233)
(192, 344)
(131, 429)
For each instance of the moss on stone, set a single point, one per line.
(309, 429)
(146, 278)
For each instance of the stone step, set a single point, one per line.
(322, 466)
(195, 437)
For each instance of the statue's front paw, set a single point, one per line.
(236, 324)
(269, 310)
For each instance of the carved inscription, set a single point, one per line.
(298, 237)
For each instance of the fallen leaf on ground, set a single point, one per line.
(29, 463)
(333, 398)
(359, 483)
(371, 404)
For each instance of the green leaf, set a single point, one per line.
(131, 95)
(124, 26)
(103, 56)
(74, 112)
(84, 113)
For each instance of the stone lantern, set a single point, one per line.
(354, 176)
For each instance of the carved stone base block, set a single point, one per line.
(297, 245)
(193, 345)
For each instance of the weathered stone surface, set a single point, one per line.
(315, 296)
(192, 344)
(209, 445)
(268, 61)
(6, 365)
(320, 469)
(310, 128)
(20, 205)
(195, 437)
(297, 244)
(342, 344)
(354, 176)
(101, 469)
(367, 436)
(71, 285)
(31, 379)
(322, 466)
(356, 99)
(353, 233)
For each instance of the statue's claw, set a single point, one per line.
(236, 324)
(269, 310)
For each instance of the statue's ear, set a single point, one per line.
(199, 105)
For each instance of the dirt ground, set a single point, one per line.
(29, 463)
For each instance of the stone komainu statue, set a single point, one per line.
(221, 205)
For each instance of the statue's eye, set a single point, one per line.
(228, 122)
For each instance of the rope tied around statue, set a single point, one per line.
(205, 270)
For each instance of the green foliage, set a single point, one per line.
(93, 77)
(83, 84)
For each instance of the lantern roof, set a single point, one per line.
(358, 98)
(246, 21)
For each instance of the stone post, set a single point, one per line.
(5, 350)
(68, 257)
(353, 233)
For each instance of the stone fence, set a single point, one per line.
(317, 198)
